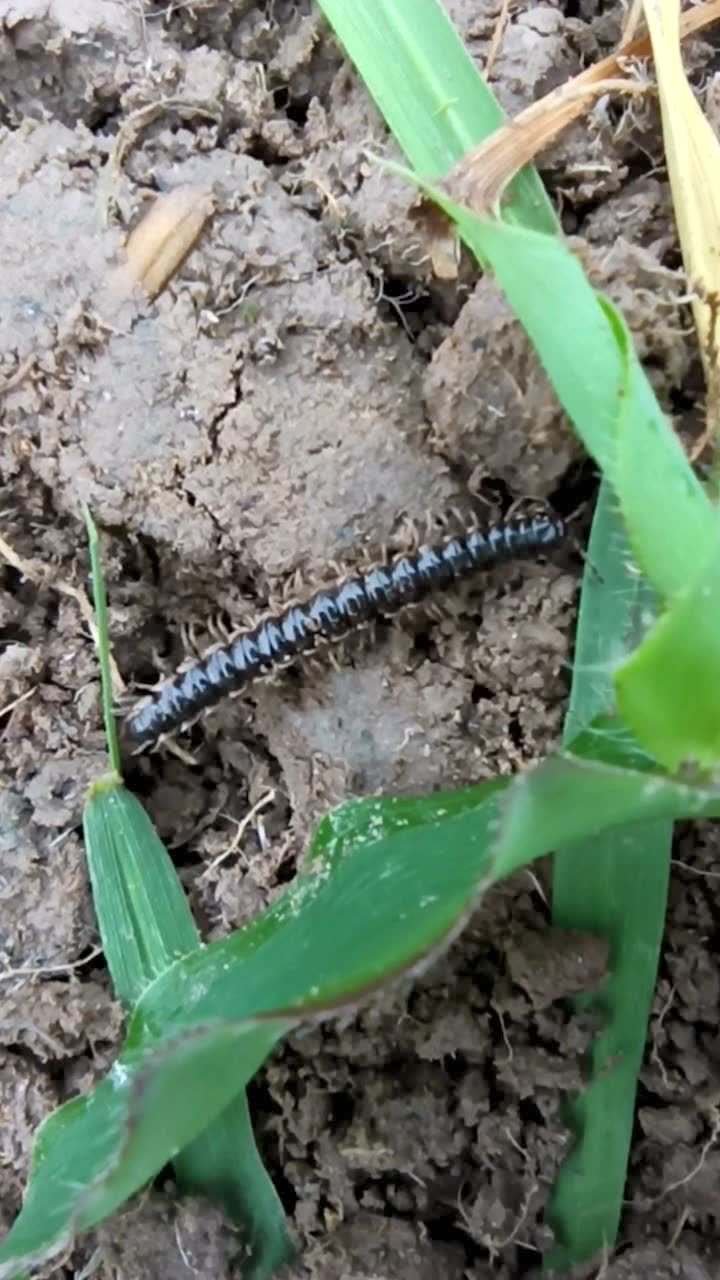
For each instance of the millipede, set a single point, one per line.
(331, 614)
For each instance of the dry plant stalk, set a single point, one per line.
(162, 240)
(497, 37)
(693, 160)
(480, 178)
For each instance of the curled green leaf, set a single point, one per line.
(668, 690)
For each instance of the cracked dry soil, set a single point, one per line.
(302, 388)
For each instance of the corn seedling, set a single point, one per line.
(641, 750)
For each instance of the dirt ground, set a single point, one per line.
(302, 389)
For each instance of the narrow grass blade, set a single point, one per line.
(615, 886)
(430, 92)
(622, 896)
(103, 646)
(143, 914)
(146, 924)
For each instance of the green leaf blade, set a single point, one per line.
(601, 385)
(618, 890)
(143, 914)
(614, 885)
(146, 925)
(217, 1012)
(96, 1151)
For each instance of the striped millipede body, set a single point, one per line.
(331, 614)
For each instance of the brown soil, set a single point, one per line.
(301, 389)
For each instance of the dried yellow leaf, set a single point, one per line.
(482, 175)
(693, 159)
(480, 178)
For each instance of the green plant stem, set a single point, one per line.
(103, 642)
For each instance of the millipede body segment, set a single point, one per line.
(331, 614)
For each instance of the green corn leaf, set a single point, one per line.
(146, 924)
(387, 882)
(144, 917)
(668, 690)
(224, 1165)
(614, 885)
(392, 889)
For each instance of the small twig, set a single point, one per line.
(655, 1054)
(696, 871)
(679, 1227)
(632, 23)
(131, 129)
(604, 1264)
(181, 1250)
(536, 885)
(497, 37)
(94, 1262)
(5, 711)
(35, 971)
(681, 1182)
(506, 1039)
(237, 302)
(242, 826)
